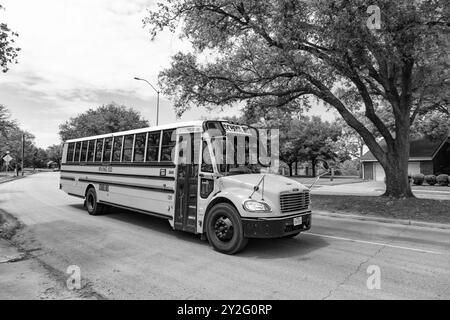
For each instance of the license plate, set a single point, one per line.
(297, 221)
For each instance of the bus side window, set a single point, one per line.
(90, 151)
(83, 151)
(167, 145)
(128, 148)
(70, 152)
(117, 148)
(77, 152)
(139, 147)
(153, 146)
(99, 150)
(107, 150)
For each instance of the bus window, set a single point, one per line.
(99, 150)
(83, 151)
(167, 145)
(117, 149)
(107, 150)
(127, 148)
(206, 159)
(90, 151)
(139, 147)
(70, 150)
(77, 152)
(153, 146)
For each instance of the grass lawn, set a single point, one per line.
(411, 209)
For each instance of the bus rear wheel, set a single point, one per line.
(224, 229)
(93, 207)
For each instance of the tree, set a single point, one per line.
(105, 119)
(39, 158)
(6, 123)
(54, 153)
(8, 51)
(282, 51)
(314, 141)
(434, 125)
(13, 143)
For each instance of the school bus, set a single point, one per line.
(204, 177)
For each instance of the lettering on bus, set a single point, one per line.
(105, 169)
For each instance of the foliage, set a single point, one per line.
(54, 153)
(430, 179)
(434, 125)
(105, 119)
(349, 167)
(442, 179)
(8, 50)
(13, 143)
(280, 52)
(6, 123)
(418, 179)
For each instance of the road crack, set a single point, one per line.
(358, 268)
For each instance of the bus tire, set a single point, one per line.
(93, 207)
(224, 229)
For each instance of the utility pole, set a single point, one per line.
(23, 150)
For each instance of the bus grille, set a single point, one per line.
(290, 202)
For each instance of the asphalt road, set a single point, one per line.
(134, 256)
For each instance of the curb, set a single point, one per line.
(12, 179)
(384, 220)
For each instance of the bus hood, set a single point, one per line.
(273, 184)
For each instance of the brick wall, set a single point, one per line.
(426, 167)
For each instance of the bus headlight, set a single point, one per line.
(256, 206)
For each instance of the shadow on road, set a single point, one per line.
(300, 246)
(154, 224)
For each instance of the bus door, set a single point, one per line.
(187, 181)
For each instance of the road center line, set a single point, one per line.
(370, 242)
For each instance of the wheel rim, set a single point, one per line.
(223, 228)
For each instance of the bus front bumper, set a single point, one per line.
(276, 227)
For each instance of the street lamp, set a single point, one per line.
(157, 100)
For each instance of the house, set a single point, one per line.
(52, 165)
(425, 156)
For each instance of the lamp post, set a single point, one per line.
(157, 95)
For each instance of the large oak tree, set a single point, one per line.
(280, 51)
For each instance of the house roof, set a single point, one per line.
(419, 149)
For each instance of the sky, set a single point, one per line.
(81, 54)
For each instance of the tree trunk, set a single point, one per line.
(397, 184)
(296, 168)
(290, 169)
(396, 164)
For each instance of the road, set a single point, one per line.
(125, 255)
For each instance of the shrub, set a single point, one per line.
(430, 179)
(418, 179)
(442, 179)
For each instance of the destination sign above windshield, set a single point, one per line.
(237, 128)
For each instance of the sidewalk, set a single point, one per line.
(10, 176)
(383, 220)
(376, 188)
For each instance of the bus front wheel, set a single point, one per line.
(224, 229)
(93, 207)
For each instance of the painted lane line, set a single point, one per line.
(370, 242)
